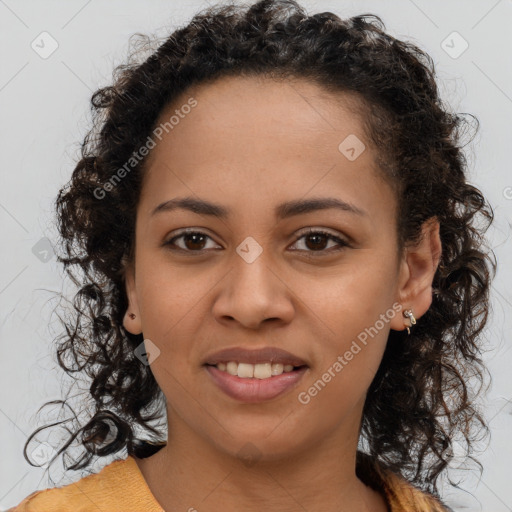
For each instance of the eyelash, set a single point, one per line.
(311, 231)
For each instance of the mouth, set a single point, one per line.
(252, 376)
(254, 389)
(253, 357)
(255, 375)
(260, 371)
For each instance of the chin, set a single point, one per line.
(254, 447)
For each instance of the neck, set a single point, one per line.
(190, 473)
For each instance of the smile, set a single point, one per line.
(252, 383)
(257, 371)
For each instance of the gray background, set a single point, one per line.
(44, 105)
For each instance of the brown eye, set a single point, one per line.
(316, 241)
(193, 241)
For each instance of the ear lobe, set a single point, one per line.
(132, 319)
(419, 267)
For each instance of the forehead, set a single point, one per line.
(259, 137)
(295, 109)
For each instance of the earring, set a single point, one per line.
(409, 314)
(132, 316)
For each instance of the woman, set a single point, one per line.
(279, 248)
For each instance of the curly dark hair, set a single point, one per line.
(423, 396)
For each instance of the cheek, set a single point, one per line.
(350, 298)
(170, 304)
(339, 382)
(352, 315)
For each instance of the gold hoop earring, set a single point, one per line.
(409, 314)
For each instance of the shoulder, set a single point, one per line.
(118, 487)
(401, 495)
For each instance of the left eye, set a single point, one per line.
(319, 238)
(196, 241)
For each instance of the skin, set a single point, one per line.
(251, 144)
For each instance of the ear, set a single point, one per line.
(417, 270)
(132, 325)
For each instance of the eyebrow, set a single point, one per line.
(282, 211)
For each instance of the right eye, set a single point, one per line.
(193, 241)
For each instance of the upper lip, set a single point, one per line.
(254, 356)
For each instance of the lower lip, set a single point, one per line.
(252, 390)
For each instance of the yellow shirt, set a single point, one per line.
(121, 487)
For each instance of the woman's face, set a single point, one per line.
(253, 278)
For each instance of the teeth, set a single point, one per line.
(232, 368)
(261, 371)
(277, 369)
(257, 371)
(245, 370)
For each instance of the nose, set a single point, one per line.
(253, 293)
